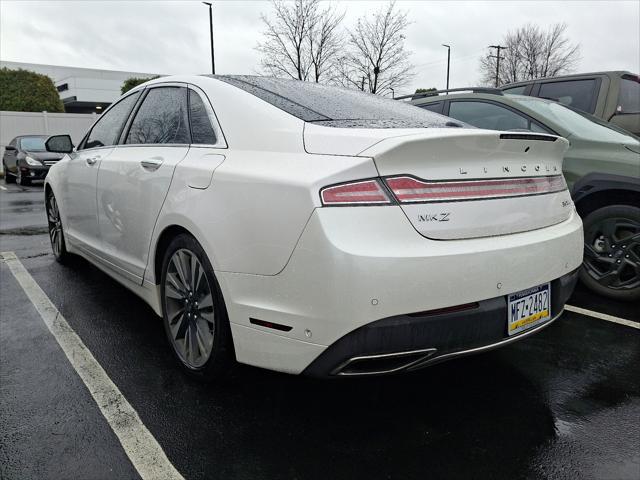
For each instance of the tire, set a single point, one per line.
(56, 233)
(23, 182)
(8, 178)
(611, 265)
(194, 314)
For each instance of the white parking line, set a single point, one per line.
(141, 447)
(3, 187)
(602, 316)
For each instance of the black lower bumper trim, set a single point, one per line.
(450, 334)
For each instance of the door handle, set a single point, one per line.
(92, 160)
(151, 163)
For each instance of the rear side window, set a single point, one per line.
(433, 107)
(580, 94)
(629, 101)
(162, 118)
(515, 90)
(107, 130)
(201, 130)
(487, 115)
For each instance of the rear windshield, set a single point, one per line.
(335, 106)
(32, 144)
(629, 101)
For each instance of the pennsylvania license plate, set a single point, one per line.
(529, 308)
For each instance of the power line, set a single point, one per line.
(497, 57)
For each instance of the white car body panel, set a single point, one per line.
(78, 195)
(349, 274)
(253, 203)
(130, 196)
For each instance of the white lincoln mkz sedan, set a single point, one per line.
(317, 230)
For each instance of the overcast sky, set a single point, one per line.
(173, 37)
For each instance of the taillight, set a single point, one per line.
(355, 193)
(408, 189)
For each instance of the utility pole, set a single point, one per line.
(213, 63)
(448, 62)
(497, 57)
(393, 93)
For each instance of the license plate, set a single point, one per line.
(529, 308)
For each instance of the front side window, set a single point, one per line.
(579, 94)
(487, 115)
(107, 130)
(201, 130)
(629, 101)
(162, 118)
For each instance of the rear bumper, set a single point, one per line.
(410, 342)
(356, 266)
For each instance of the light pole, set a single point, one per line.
(213, 63)
(448, 62)
(393, 92)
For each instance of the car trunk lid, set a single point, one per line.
(467, 183)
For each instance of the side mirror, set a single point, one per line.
(59, 144)
(10, 148)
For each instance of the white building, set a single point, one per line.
(82, 90)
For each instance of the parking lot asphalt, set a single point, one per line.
(564, 403)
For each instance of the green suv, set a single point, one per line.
(611, 96)
(602, 168)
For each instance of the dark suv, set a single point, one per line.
(611, 96)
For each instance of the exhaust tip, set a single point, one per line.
(383, 363)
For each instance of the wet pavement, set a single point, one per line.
(564, 403)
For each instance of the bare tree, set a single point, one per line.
(532, 53)
(301, 41)
(377, 61)
(325, 43)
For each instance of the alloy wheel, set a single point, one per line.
(612, 253)
(189, 306)
(55, 226)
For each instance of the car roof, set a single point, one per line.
(485, 96)
(611, 73)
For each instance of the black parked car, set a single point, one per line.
(25, 159)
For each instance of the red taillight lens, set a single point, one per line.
(365, 192)
(408, 189)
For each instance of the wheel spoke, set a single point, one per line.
(176, 285)
(179, 266)
(590, 252)
(206, 302)
(201, 344)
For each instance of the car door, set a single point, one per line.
(490, 115)
(134, 179)
(78, 182)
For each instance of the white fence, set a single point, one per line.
(13, 124)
